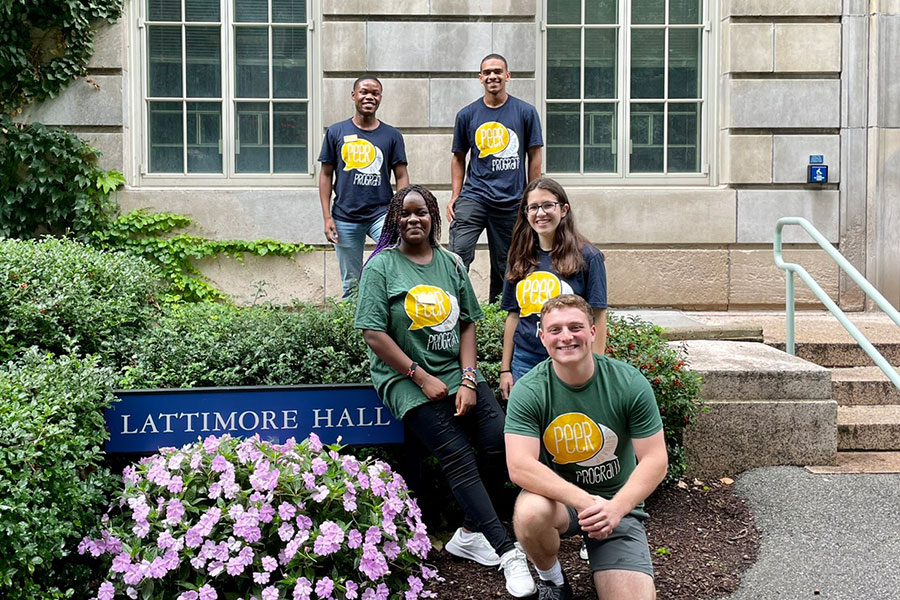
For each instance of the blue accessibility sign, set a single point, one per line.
(817, 174)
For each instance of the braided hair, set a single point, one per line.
(390, 233)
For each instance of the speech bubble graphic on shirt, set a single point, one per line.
(359, 154)
(491, 138)
(430, 306)
(537, 288)
(576, 438)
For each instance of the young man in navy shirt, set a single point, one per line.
(502, 136)
(358, 156)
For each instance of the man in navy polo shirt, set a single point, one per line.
(502, 133)
(357, 158)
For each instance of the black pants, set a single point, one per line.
(470, 219)
(447, 437)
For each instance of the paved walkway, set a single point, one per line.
(834, 537)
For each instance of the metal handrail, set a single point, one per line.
(850, 270)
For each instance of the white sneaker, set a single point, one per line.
(519, 583)
(472, 546)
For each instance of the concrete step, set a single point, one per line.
(863, 386)
(869, 427)
(861, 462)
(842, 354)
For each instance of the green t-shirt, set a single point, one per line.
(420, 307)
(586, 432)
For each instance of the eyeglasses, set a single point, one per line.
(532, 209)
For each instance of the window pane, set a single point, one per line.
(647, 138)
(600, 138)
(289, 11)
(684, 138)
(564, 63)
(164, 55)
(204, 134)
(684, 63)
(163, 10)
(600, 63)
(252, 152)
(251, 11)
(289, 62)
(166, 140)
(685, 11)
(647, 12)
(201, 10)
(601, 11)
(647, 63)
(203, 50)
(251, 53)
(563, 151)
(564, 11)
(290, 137)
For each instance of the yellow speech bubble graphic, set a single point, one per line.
(358, 154)
(534, 290)
(572, 438)
(426, 306)
(491, 138)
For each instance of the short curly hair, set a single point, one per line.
(568, 301)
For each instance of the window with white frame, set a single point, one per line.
(225, 88)
(625, 87)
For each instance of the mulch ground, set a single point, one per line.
(702, 538)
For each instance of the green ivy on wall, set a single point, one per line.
(45, 44)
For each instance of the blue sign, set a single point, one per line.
(146, 420)
(816, 159)
(817, 174)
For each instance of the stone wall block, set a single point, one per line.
(807, 47)
(854, 75)
(364, 7)
(110, 145)
(885, 7)
(516, 41)
(785, 103)
(759, 210)
(791, 156)
(853, 213)
(82, 104)
(884, 49)
(750, 48)
(109, 47)
(398, 46)
(501, 8)
(666, 215)
(756, 281)
(781, 8)
(884, 213)
(749, 159)
(429, 158)
(404, 103)
(447, 96)
(343, 46)
(672, 277)
(301, 277)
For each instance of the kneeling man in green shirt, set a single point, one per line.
(584, 441)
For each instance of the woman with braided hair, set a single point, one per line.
(417, 311)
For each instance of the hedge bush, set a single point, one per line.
(60, 295)
(52, 486)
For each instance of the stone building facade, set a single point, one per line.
(769, 84)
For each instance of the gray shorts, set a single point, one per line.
(625, 548)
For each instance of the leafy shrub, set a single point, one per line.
(227, 518)
(50, 182)
(677, 389)
(59, 295)
(195, 345)
(52, 487)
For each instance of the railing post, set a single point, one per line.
(789, 311)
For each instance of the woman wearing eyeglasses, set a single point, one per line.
(547, 257)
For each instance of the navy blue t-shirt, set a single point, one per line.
(527, 296)
(363, 161)
(499, 139)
